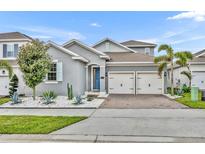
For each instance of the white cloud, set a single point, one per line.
(195, 15)
(170, 34)
(95, 24)
(194, 38)
(50, 32)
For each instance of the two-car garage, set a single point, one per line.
(134, 83)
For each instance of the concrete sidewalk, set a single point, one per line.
(18, 138)
(146, 122)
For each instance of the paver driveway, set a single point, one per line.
(141, 102)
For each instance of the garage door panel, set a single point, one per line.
(149, 83)
(121, 83)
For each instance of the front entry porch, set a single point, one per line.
(95, 79)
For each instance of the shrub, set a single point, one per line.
(49, 97)
(13, 85)
(177, 91)
(15, 98)
(186, 89)
(77, 100)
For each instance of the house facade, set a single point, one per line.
(106, 67)
(197, 68)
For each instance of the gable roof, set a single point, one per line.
(130, 57)
(71, 42)
(200, 53)
(74, 55)
(108, 39)
(135, 43)
(14, 36)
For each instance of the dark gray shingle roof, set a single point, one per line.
(14, 35)
(133, 43)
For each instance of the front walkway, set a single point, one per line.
(141, 102)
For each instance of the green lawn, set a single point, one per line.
(186, 100)
(4, 100)
(35, 124)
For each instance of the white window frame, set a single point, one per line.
(53, 72)
(11, 50)
(147, 51)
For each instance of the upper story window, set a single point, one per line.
(10, 50)
(147, 51)
(52, 75)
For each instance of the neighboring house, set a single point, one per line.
(197, 67)
(107, 67)
(179, 79)
(9, 47)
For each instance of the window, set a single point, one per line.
(10, 50)
(147, 51)
(52, 75)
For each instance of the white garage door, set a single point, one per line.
(4, 85)
(198, 79)
(149, 83)
(121, 83)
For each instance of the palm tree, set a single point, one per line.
(165, 60)
(182, 60)
(6, 65)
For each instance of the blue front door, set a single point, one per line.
(96, 78)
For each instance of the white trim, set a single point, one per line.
(108, 39)
(80, 58)
(12, 40)
(9, 58)
(102, 55)
(140, 46)
(130, 62)
(196, 62)
(51, 82)
(201, 54)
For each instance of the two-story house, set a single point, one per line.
(9, 48)
(106, 67)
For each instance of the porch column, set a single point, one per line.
(86, 78)
(102, 79)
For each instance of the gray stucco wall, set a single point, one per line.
(134, 68)
(108, 46)
(142, 50)
(94, 59)
(73, 73)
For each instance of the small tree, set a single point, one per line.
(182, 60)
(13, 85)
(165, 60)
(34, 62)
